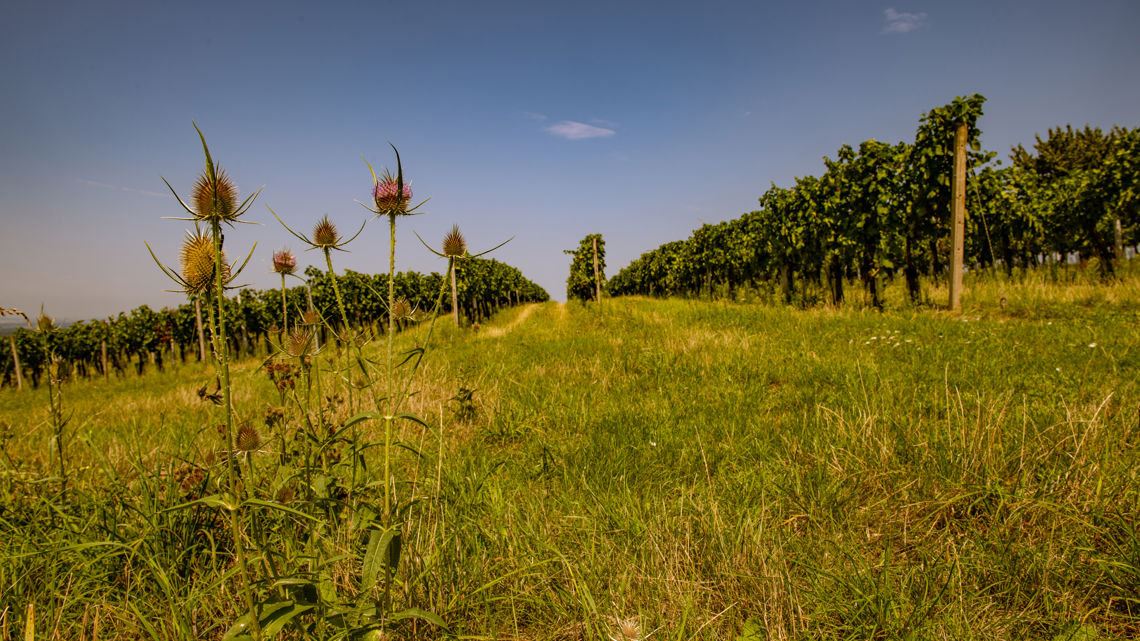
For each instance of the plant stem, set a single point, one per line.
(220, 353)
(284, 312)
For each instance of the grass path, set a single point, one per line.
(495, 332)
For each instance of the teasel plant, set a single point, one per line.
(285, 264)
(326, 237)
(45, 327)
(454, 248)
(205, 272)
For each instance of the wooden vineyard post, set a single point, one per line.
(958, 214)
(597, 281)
(103, 350)
(16, 362)
(1118, 239)
(201, 334)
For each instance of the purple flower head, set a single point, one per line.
(389, 198)
(284, 262)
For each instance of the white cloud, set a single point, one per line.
(902, 22)
(534, 116)
(571, 130)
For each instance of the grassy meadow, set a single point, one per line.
(673, 469)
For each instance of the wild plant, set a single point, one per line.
(205, 272)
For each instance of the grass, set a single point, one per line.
(695, 470)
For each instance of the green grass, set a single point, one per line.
(709, 469)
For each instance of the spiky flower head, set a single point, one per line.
(389, 197)
(248, 438)
(284, 262)
(45, 323)
(300, 342)
(401, 309)
(197, 262)
(215, 197)
(311, 318)
(325, 233)
(454, 244)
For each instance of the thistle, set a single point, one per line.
(455, 250)
(454, 244)
(300, 342)
(248, 438)
(214, 194)
(284, 262)
(391, 195)
(196, 260)
(402, 309)
(325, 234)
(45, 323)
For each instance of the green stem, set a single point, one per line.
(391, 336)
(220, 353)
(336, 289)
(284, 313)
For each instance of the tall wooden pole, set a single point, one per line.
(597, 281)
(1118, 238)
(103, 351)
(16, 362)
(958, 212)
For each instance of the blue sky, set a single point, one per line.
(543, 121)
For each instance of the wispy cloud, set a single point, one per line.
(121, 188)
(571, 130)
(902, 22)
(534, 116)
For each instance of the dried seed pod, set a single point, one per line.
(248, 438)
(299, 343)
(402, 309)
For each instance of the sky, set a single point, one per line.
(545, 121)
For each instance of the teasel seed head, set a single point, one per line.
(45, 323)
(215, 200)
(401, 309)
(325, 233)
(285, 494)
(311, 318)
(284, 262)
(454, 244)
(248, 438)
(299, 343)
(197, 262)
(389, 198)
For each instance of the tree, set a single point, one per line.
(582, 284)
(1090, 180)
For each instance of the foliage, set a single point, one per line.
(582, 283)
(882, 210)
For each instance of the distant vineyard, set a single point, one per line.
(142, 337)
(882, 211)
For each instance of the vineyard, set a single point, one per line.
(143, 337)
(882, 211)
